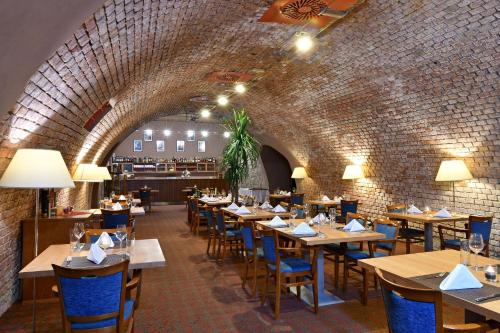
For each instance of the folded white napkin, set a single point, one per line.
(354, 226)
(96, 254)
(279, 209)
(325, 198)
(303, 229)
(105, 240)
(288, 193)
(277, 222)
(204, 197)
(460, 278)
(414, 210)
(116, 206)
(233, 206)
(443, 213)
(266, 205)
(319, 217)
(243, 210)
(122, 197)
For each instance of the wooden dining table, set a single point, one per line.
(428, 220)
(406, 270)
(255, 214)
(316, 242)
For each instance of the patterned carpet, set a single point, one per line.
(194, 294)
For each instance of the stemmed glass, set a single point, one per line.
(78, 232)
(476, 244)
(306, 211)
(321, 222)
(293, 215)
(121, 233)
(332, 213)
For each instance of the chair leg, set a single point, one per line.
(344, 280)
(208, 244)
(214, 244)
(298, 288)
(263, 300)
(223, 251)
(254, 286)
(278, 296)
(408, 249)
(364, 292)
(245, 275)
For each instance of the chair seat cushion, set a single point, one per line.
(452, 243)
(411, 232)
(358, 255)
(233, 233)
(334, 247)
(292, 265)
(128, 310)
(260, 252)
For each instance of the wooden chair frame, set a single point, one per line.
(224, 239)
(147, 202)
(408, 240)
(197, 218)
(251, 260)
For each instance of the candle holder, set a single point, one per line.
(490, 273)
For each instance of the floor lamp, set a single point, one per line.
(299, 173)
(453, 171)
(88, 173)
(104, 175)
(36, 169)
(353, 172)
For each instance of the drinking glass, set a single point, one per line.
(306, 211)
(476, 244)
(321, 222)
(332, 212)
(293, 215)
(121, 233)
(78, 232)
(72, 242)
(464, 253)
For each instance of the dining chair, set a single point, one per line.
(253, 254)
(413, 310)
(384, 226)
(145, 196)
(212, 232)
(92, 235)
(476, 224)
(112, 218)
(199, 216)
(300, 211)
(225, 236)
(283, 268)
(406, 234)
(297, 198)
(337, 251)
(94, 300)
(346, 206)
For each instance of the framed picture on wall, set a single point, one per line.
(180, 145)
(191, 135)
(201, 146)
(137, 145)
(148, 135)
(160, 145)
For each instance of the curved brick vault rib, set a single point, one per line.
(398, 86)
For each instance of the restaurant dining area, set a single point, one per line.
(249, 166)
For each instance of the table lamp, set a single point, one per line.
(36, 169)
(453, 171)
(299, 173)
(353, 172)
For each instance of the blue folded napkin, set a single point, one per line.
(460, 278)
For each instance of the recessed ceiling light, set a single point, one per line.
(227, 134)
(204, 134)
(167, 132)
(205, 113)
(240, 88)
(304, 43)
(222, 100)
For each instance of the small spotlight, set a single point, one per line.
(227, 134)
(240, 88)
(304, 43)
(167, 132)
(204, 134)
(205, 113)
(222, 100)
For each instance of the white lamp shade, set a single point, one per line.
(453, 170)
(353, 171)
(37, 168)
(299, 173)
(87, 173)
(104, 173)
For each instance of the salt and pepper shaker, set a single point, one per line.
(490, 273)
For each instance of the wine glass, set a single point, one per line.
(476, 244)
(321, 222)
(78, 232)
(306, 211)
(293, 215)
(121, 233)
(332, 213)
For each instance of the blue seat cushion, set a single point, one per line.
(452, 242)
(358, 255)
(128, 310)
(292, 265)
(334, 247)
(233, 233)
(260, 252)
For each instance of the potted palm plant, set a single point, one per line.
(241, 152)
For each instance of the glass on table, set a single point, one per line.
(121, 234)
(130, 243)
(73, 241)
(78, 232)
(464, 253)
(293, 215)
(476, 245)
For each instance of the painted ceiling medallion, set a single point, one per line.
(228, 77)
(299, 11)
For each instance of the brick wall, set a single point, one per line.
(398, 86)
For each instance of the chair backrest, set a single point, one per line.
(112, 218)
(92, 235)
(90, 295)
(220, 223)
(411, 310)
(297, 198)
(390, 229)
(481, 225)
(269, 240)
(193, 203)
(362, 218)
(348, 206)
(209, 214)
(144, 194)
(396, 208)
(300, 211)
(248, 234)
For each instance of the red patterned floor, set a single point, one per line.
(193, 294)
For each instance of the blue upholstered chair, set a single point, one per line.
(287, 271)
(253, 254)
(346, 206)
(95, 299)
(411, 310)
(477, 224)
(199, 216)
(409, 235)
(297, 199)
(145, 196)
(212, 232)
(388, 245)
(92, 235)
(225, 236)
(337, 251)
(112, 218)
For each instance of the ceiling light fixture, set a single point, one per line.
(304, 42)
(205, 113)
(190, 133)
(167, 132)
(222, 100)
(204, 134)
(240, 88)
(227, 134)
